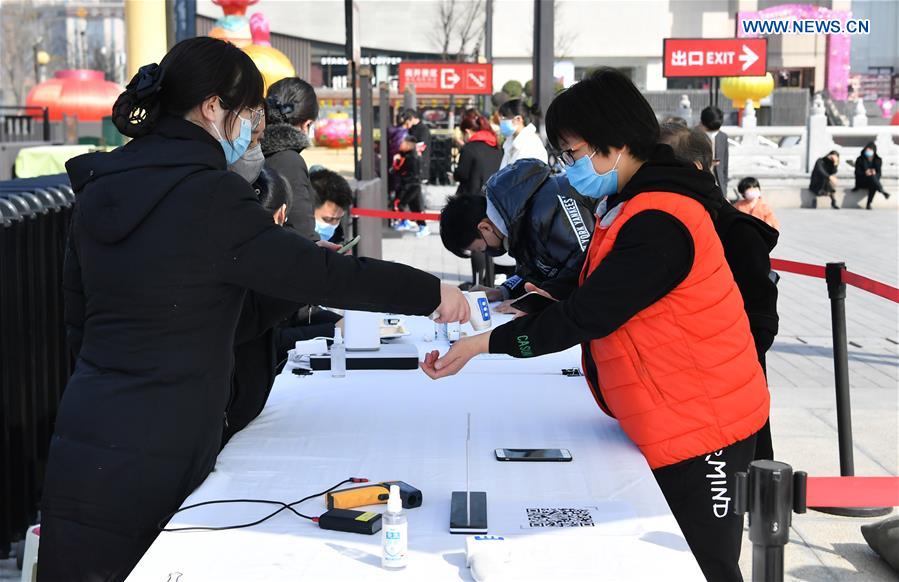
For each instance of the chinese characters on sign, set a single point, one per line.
(447, 78)
(690, 57)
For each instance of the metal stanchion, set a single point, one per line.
(770, 492)
(836, 290)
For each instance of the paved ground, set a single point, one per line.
(803, 419)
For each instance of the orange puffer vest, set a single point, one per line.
(681, 376)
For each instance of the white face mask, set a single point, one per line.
(752, 194)
(249, 165)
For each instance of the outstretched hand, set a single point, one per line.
(455, 359)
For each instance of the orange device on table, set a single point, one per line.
(373, 494)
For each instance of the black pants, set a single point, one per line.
(412, 199)
(700, 493)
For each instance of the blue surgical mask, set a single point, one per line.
(869, 153)
(325, 230)
(506, 127)
(235, 149)
(583, 177)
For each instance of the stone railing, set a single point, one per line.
(767, 151)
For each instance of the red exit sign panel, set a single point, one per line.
(715, 57)
(447, 78)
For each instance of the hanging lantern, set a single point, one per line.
(75, 92)
(742, 89)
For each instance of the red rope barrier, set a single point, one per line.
(797, 268)
(372, 213)
(853, 492)
(872, 286)
(858, 281)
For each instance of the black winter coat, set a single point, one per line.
(164, 244)
(864, 182)
(821, 173)
(748, 243)
(282, 145)
(477, 162)
(548, 222)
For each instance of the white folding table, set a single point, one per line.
(399, 425)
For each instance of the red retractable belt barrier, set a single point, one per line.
(858, 281)
(797, 268)
(872, 286)
(852, 492)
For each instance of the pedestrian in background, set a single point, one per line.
(292, 108)
(710, 121)
(752, 203)
(522, 140)
(422, 134)
(824, 179)
(867, 173)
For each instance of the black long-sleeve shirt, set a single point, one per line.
(651, 256)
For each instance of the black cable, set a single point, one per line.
(287, 506)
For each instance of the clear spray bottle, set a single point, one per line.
(394, 533)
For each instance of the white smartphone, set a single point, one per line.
(345, 248)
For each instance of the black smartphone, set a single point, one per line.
(532, 302)
(534, 455)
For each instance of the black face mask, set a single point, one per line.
(495, 252)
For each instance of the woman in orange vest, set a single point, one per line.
(667, 348)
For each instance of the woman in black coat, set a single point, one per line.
(823, 181)
(478, 160)
(164, 244)
(292, 109)
(867, 173)
(480, 157)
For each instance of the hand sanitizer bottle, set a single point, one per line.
(394, 532)
(338, 355)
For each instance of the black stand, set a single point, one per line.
(836, 290)
(770, 492)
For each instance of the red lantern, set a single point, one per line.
(75, 92)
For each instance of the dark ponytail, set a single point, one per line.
(517, 107)
(193, 71)
(291, 101)
(474, 121)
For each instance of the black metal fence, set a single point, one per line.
(34, 360)
(20, 123)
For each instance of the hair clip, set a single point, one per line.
(147, 81)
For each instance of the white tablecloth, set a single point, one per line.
(318, 430)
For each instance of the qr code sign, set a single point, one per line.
(559, 517)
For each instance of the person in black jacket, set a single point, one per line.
(292, 108)
(538, 218)
(422, 134)
(255, 355)
(867, 173)
(164, 242)
(407, 167)
(333, 198)
(479, 158)
(747, 243)
(823, 181)
(711, 119)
